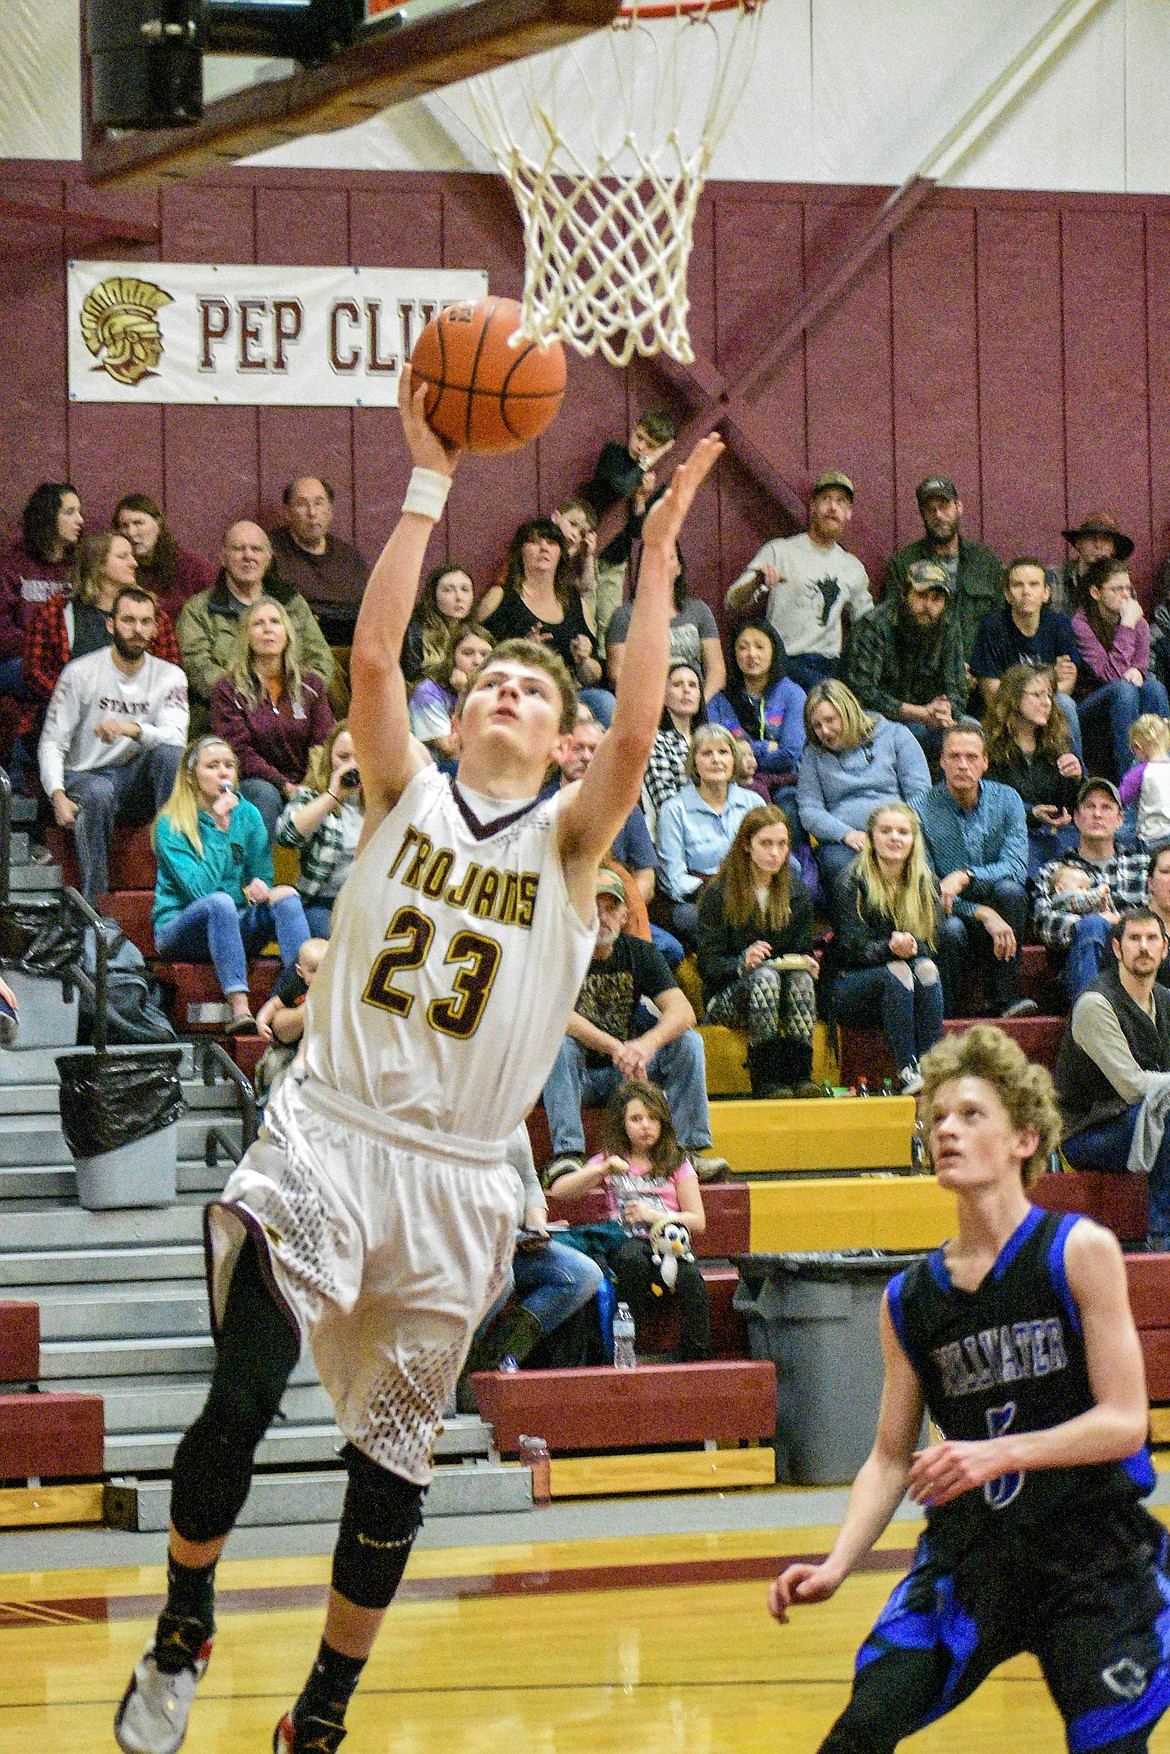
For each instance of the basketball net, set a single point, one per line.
(606, 144)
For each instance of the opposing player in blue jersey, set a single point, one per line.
(1018, 1340)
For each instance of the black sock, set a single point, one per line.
(188, 1620)
(329, 1687)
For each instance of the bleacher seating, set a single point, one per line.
(42, 1436)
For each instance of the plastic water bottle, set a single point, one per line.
(623, 1338)
(509, 1365)
(534, 1451)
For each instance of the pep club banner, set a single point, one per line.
(308, 337)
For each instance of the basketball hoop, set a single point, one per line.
(606, 144)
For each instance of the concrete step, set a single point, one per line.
(124, 1312)
(54, 1229)
(27, 1274)
(459, 1489)
(36, 1139)
(287, 1445)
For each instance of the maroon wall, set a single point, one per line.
(1020, 342)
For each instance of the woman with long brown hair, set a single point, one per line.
(755, 954)
(887, 922)
(1029, 747)
(537, 602)
(1114, 684)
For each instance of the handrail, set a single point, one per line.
(5, 834)
(215, 1055)
(98, 1037)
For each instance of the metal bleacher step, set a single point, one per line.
(123, 1312)
(57, 1182)
(26, 878)
(36, 1089)
(288, 1444)
(71, 1228)
(25, 1274)
(189, 1353)
(458, 1489)
(35, 1140)
(151, 1403)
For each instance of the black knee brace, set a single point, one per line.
(379, 1521)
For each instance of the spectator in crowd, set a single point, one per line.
(113, 737)
(697, 826)
(887, 925)
(611, 1035)
(1029, 749)
(38, 565)
(78, 620)
(577, 522)
(747, 776)
(323, 822)
(1114, 1065)
(329, 574)
(755, 941)
(1158, 897)
(624, 485)
(280, 1021)
(976, 837)
(1114, 684)
(763, 704)
(445, 602)
(549, 1281)
(209, 621)
(646, 1175)
(216, 898)
(171, 573)
(905, 660)
(684, 712)
(852, 762)
(1025, 629)
(1077, 923)
(811, 584)
(694, 636)
(269, 711)
(535, 602)
(974, 573)
(435, 702)
(1147, 783)
(1096, 537)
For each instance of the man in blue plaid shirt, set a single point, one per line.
(1079, 921)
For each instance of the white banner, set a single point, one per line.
(297, 337)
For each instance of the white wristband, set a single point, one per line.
(427, 493)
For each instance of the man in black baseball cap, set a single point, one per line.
(974, 571)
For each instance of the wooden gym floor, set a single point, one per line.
(639, 1646)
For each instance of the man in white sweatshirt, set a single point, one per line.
(114, 735)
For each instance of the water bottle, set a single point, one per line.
(509, 1365)
(534, 1451)
(623, 1338)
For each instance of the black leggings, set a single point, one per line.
(635, 1273)
(257, 1351)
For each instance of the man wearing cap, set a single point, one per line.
(1097, 537)
(811, 583)
(1075, 923)
(905, 660)
(608, 1040)
(974, 571)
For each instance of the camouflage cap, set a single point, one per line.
(831, 478)
(928, 575)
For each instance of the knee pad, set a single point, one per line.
(213, 1464)
(381, 1516)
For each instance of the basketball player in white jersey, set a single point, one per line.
(374, 1220)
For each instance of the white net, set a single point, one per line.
(606, 144)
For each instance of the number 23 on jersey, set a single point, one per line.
(475, 958)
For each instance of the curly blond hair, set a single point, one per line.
(1025, 1090)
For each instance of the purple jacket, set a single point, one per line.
(1130, 651)
(270, 742)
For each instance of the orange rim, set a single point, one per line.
(682, 9)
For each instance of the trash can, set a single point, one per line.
(816, 1317)
(119, 1114)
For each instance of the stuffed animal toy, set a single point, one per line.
(670, 1243)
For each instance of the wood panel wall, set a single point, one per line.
(1018, 342)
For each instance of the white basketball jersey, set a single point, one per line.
(455, 959)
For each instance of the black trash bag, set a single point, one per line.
(110, 1100)
(134, 1012)
(40, 938)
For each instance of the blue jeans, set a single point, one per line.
(319, 915)
(680, 1068)
(806, 669)
(268, 799)
(551, 1281)
(668, 944)
(600, 703)
(1107, 714)
(1106, 1146)
(1068, 707)
(213, 928)
(911, 1017)
(964, 944)
(1085, 954)
(133, 791)
(1046, 844)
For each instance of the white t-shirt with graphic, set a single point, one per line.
(816, 585)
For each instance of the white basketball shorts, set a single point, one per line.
(387, 1243)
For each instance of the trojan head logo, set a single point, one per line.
(119, 321)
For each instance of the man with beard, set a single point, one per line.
(974, 572)
(114, 733)
(905, 660)
(1114, 1062)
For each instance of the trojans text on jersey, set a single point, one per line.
(507, 897)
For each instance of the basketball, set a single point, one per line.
(485, 394)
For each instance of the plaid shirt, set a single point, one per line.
(323, 851)
(666, 769)
(47, 651)
(1055, 916)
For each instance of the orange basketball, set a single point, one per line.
(485, 394)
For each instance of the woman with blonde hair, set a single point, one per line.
(1029, 748)
(76, 621)
(697, 825)
(216, 897)
(270, 712)
(323, 822)
(853, 761)
(755, 939)
(888, 912)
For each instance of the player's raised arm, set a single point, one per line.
(388, 756)
(613, 783)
